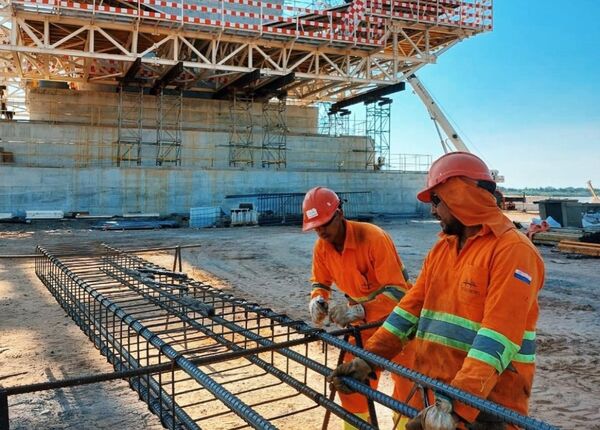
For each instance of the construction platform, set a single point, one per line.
(326, 53)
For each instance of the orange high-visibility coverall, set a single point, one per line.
(473, 313)
(370, 272)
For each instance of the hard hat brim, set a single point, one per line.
(425, 195)
(311, 225)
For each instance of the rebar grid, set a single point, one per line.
(139, 314)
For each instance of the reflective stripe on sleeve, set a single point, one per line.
(527, 352)
(400, 323)
(493, 348)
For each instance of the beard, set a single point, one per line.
(454, 228)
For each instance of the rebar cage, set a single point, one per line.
(202, 358)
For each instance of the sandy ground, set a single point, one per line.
(269, 265)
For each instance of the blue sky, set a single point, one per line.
(525, 97)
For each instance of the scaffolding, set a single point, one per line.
(130, 126)
(339, 122)
(275, 132)
(169, 113)
(241, 135)
(377, 142)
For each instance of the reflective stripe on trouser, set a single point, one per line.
(400, 421)
(346, 426)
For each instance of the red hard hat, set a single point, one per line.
(451, 165)
(319, 207)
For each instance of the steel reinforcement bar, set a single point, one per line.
(491, 408)
(141, 315)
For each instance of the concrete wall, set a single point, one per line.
(43, 144)
(113, 191)
(101, 108)
(66, 158)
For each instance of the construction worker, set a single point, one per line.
(361, 260)
(472, 310)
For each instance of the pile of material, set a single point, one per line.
(554, 236)
(581, 248)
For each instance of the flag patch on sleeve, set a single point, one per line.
(522, 276)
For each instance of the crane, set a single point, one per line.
(595, 198)
(453, 141)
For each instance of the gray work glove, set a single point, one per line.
(357, 369)
(344, 314)
(318, 307)
(434, 417)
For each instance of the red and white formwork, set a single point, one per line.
(335, 51)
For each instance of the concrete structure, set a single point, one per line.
(65, 159)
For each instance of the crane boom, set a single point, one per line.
(440, 120)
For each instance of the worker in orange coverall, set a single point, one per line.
(361, 260)
(472, 310)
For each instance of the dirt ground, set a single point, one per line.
(271, 266)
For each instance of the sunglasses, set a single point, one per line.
(435, 200)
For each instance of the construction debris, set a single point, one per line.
(135, 225)
(44, 214)
(554, 236)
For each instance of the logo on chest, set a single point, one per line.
(471, 287)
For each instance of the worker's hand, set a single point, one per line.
(318, 307)
(435, 417)
(358, 369)
(344, 314)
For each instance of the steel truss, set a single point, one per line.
(198, 356)
(377, 148)
(130, 126)
(241, 130)
(275, 132)
(334, 53)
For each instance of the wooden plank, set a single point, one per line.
(579, 248)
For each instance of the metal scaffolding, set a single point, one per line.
(169, 113)
(130, 126)
(377, 142)
(275, 132)
(241, 137)
(339, 122)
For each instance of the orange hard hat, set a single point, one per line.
(451, 165)
(318, 207)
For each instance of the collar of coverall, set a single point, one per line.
(472, 205)
(349, 240)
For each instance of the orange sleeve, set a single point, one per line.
(389, 269)
(321, 278)
(401, 324)
(516, 276)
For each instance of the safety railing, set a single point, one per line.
(359, 22)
